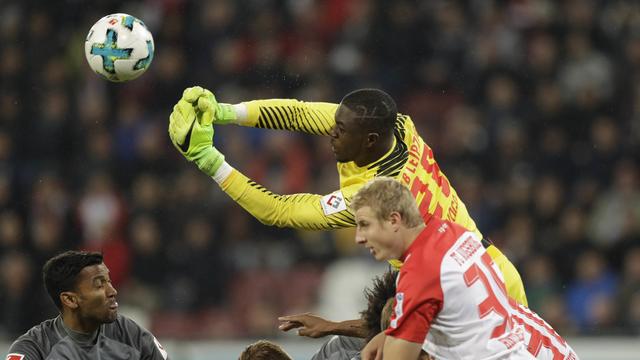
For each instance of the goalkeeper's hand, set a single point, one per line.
(213, 111)
(191, 132)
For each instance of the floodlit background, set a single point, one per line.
(531, 107)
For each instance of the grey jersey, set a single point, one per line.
(340, 348)
(121, 339)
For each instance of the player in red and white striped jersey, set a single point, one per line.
(451, 299)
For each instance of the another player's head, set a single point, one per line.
(381, 301)
(380, 293)
(264, 350)
(79, 285)
(363, 118)
(383, 207)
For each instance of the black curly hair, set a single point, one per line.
(377, 295)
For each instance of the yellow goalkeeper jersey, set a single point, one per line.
(410, 161)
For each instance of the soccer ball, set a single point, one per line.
(119, 47)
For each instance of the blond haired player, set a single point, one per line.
(450, 297)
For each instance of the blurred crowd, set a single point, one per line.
(532, 108)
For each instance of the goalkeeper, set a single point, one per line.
(369, 138)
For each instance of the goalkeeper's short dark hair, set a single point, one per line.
(60, 273)
(375, 109)
(377, 295)
(264, 350)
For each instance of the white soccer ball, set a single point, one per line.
(119, 47)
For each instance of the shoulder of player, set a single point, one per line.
(426, 251)
(433, 243)
(121, 326)
(45, 329)
(440, 233)
(35, 340)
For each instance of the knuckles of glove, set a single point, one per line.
(192, 94)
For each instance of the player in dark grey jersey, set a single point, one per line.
(88, 326)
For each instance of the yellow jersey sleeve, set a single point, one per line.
(287, 114)
(299, 211)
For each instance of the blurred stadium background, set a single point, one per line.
(532, 109)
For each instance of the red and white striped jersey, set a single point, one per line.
(540, 338)
(451, 297)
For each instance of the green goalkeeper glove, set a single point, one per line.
(218, 113)
(193, 136)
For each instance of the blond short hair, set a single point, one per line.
(385, 195)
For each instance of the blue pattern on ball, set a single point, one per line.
(127, 22)
(144, 62)
(110, 52)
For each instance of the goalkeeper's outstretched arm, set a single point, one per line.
(299, 211)
(282, 114)
(191, 133)
(286, 114)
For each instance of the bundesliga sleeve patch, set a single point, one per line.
(333, 203)
(397, 310)
(14, 356)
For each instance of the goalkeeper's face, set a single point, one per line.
(349, 139)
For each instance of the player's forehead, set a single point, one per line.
(365, 213)
(345, 116)
(89, 273)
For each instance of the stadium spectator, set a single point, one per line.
(22, 300)
(629, 292)
(594, 284)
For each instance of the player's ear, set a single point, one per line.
(372, 138)
(395, 219)
(69, 299)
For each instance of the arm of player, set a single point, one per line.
(287, 114)
(396, 348)
(299, 211)
(191, 133)
(284, 114)
(314, 326)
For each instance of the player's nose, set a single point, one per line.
(111, 290)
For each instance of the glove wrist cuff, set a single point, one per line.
(225, 114)
(209, 161)
(222, 173)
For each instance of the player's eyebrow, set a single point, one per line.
(99, 277)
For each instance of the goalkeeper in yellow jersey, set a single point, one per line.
(369, 138)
